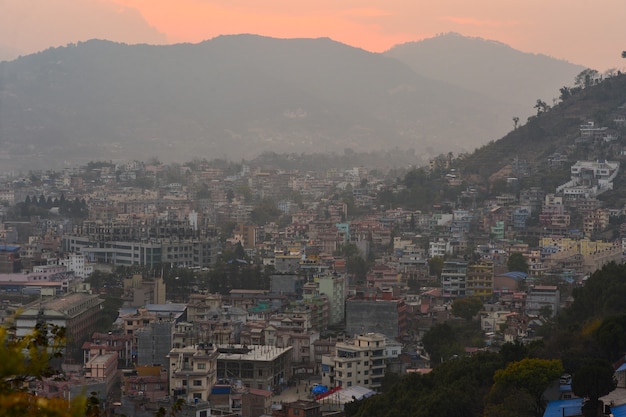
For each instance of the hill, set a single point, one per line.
(233, 96)
(489, 67)
(552, 139)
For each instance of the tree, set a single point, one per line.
(623, 54)
(541, 107)
(515, 122)
(594, 379)
(441, 343)
(531, 376)
(586, 78)
(467, 307)
(26, 359)
(517, 262)
(435, 266)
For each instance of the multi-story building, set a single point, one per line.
(453, 279)
(334, 288)
(541, 297)
(479, 280)
(261, 367)
(357, 362)
(77, 312)
(191, 252)
(193, 371)
(77, 264)
(378, 312)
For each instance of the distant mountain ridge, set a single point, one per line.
(468, 62)
(235, 96)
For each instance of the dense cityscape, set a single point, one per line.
(220, 288)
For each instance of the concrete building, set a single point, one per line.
(256, 403)
(454, 279)
(288, 284)
(77, 312)
(543, 296)
(192, 372)
(153, 252)
(77, 264)
(378, 312)
(334, 288)
(479, 280)
(261, 367)
(154, 343)
(357, 362)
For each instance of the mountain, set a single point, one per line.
(233, 96)
(489, 67)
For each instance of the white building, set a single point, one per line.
(78, 264)
(358, 362)
(590, 178)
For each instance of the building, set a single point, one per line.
(479, 280)
(154, 342)
(262, 367)
(376, 312)
(77, 264)
(77, 312)
(192, 372)
(334, 288)
(256, 403)
(357, 362)
(541, 297)
(149, 252)
(299, 408)
(453, 279)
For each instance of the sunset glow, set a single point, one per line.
(584, 32)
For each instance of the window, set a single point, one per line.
(184, 382)
(202, 366)
(349, 374)
(197, 382)
(366, 372)
(349, 365)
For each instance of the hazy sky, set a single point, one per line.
(586, 32)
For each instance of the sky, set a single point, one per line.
(586, 32)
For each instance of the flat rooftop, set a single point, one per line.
(257, 353)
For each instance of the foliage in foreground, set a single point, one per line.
(27, 359)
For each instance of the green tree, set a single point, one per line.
(531, 376)
(435, 266)
(594, 379)
(611, 336)
(517, 262)
(441, 343)
(467, 307)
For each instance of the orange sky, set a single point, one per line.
(587, 32)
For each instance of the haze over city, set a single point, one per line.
(584, 32)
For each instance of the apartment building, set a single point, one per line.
(359, 362)
(192, 371)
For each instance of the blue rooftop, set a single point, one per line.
(9, 248)
(564, 408)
